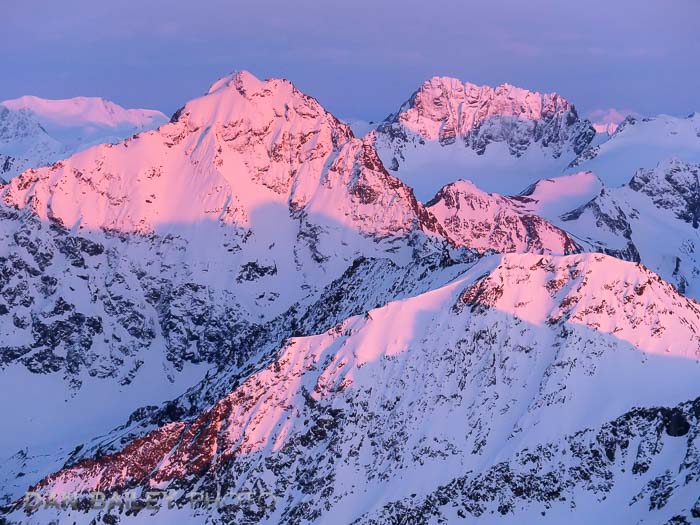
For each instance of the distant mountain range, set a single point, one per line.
(35, 132)
(480, 311)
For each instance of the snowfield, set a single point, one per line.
(480, 311)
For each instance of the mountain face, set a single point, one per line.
(485, 221)
(118, 285)
(500, 138)
(251, 300)
(282, 185)
(35, 132)
(653, 219)
(641, 142)
(519, 375)
(265, 139)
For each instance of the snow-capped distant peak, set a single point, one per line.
(245, 146)
(606, 121)
(35, 132)
(490, 222)
(444, 108)
(640, 142)
(84, 111)
(550, 198)
(502, 138)
(241, 96)
(259, 304)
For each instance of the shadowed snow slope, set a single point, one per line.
(641, 143)
(519, 351)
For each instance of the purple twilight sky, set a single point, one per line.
(360, 58)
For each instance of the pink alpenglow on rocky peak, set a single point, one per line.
(85, 111)
(502, 138)
(570, 324)
(446, 108)
(245, 145)
(479, 312)
(486, 221)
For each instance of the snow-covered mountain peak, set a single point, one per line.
(35, 132)
(245, 298)
(551, 198)
(501, 138)
(606, 121)
(240, 80)
(653, 219)
(234, 217)
(518, 349)
(258, 170)
(490, 222)
(459, 186)
(641, 142)
(240, 99)
(242, 135)
(85, 112)
(603, 293)
(444, 108)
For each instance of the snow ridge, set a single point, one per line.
(257, 304)
(470, 357)
(485, 221)
(35, 132)
(500, 138)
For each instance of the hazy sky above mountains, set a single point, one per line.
(360, 58)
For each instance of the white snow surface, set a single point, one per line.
(35, 132)
(571, 342)
(641, 143)
(483, 365)
(502, 139)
